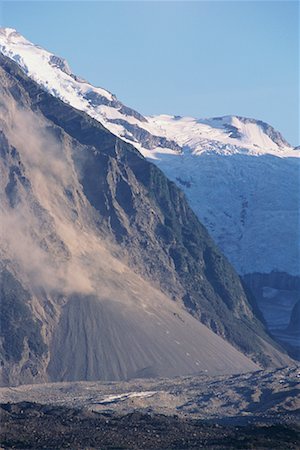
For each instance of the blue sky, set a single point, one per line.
(200, 58)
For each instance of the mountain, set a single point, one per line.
(103, 263)
(257, 165)
(240, 176)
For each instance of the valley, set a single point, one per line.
(253, 410)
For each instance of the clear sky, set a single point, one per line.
(200, 58)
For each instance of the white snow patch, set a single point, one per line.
(126, 396)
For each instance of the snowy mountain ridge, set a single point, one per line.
(230, 134)
(240, 175)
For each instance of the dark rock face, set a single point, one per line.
(294, 325)
(16, 320)
(233, 132)
(61, 63)
(290, 338)
(276, 280)
(276, 297)
(97, 99)
(148, 218)
(149, 140)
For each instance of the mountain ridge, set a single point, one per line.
(199, 155)
(16, 47)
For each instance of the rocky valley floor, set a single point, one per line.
(29, 425)
(258, 410)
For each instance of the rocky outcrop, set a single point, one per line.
(294, 325)
(275, 280)
(276, 298)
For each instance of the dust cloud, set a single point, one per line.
(39, 233)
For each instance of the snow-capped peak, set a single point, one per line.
(153, 136)
(10, 39)
(254, 131)
(50, 71)
(222, 135)
(10, 33)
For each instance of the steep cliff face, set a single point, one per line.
(277, 296)
(108, 256)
